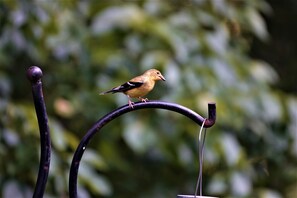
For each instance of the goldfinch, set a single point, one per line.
(139, 86)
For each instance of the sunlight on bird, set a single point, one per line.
(139, 86)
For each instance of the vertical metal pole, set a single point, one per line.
(34, 74)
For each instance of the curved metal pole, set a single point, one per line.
(34, 74)
(125, 109)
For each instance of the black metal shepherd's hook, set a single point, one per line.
(125, 109)
(34, 74)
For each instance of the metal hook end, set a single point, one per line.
(34, 74)
(210, 121)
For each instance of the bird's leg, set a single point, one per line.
(143, 99)
(130, 102)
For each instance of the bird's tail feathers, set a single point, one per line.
(109, 91)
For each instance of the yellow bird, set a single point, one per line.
(139, 86)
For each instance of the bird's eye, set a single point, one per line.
(158, 73)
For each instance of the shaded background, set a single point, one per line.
(239, 54)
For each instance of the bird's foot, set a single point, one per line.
(143, 99)
(130, 104)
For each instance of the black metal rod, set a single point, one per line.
(34, 74)
(125, 109)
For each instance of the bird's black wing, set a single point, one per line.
(125, 87)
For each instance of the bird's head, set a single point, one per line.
(155, 75)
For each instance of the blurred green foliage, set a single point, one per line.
(201, 47)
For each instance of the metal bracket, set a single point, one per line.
(34, 74)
